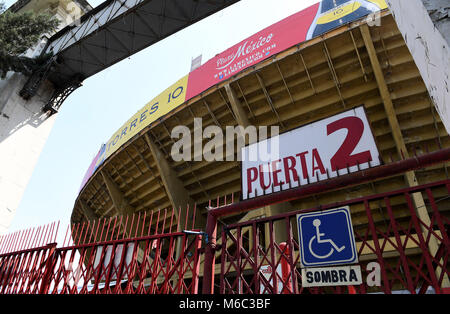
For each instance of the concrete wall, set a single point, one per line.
(24, 128)
(425, 25)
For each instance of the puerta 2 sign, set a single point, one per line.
(324, 149)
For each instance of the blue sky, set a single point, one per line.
(105, 101)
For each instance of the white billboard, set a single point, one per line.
(324, 149)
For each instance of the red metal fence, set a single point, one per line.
(115, 255)
(140, 265)
(23, 272)
(253, 261)
(257, 256)
(241, 266)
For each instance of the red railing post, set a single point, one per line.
(286, 272)
(196, 268)
(210, 256)
(48, 270)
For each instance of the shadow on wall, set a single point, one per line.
(439, 11)
(16, 112)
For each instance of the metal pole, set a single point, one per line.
(48, 270)
(210, 256)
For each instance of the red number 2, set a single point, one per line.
(343, 157)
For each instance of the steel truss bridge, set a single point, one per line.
(111, 32)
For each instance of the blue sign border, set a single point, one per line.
(346, 211)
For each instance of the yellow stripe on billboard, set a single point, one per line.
(339, 12)
(381, 3)
(165, 102)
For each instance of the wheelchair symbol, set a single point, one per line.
(318, 236)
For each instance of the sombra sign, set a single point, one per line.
(324, 149)
(331, 276)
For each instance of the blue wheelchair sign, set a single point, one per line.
(326, 238)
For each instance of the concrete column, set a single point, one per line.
(425, 26)
(120, 202)
(280, 231)
(410, 176)
(24, 129)
(237, 107)
(178, 195)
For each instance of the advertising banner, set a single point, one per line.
(304, 25)
(308, 154)
(251, 51)
(92, 167)
(165, 102)
(297, 28)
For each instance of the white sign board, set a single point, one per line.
(266, 271)
(326, 237)
(342, 143)
(331, 276)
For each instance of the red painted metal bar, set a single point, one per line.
(2, 243)
(150, 224)
(289, 268)
(425, 251)
(439, 219)
(20, 240)
(400, 249)
(7, 243)
(272, 257)
(29, 237)
(171, 219)
(209, 264)
(12, 242)
(222, 265)
(193, 217)
(378, 250)
(196, 268)
(179, 220)
(255, 240)
(143, 224)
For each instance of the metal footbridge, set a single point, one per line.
(111, 32)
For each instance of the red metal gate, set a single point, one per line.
(132, 266)
(411, 251)
(24, 272)
(151, 264)
(401, 243)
